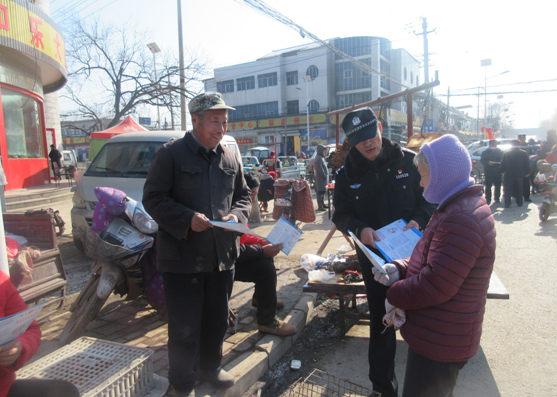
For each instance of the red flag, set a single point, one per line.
(489, 134)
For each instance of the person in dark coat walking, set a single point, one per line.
(526, 182)
(443, 284)
(192, 181)
(377, 185)
(55, 156)
(321, 177)
(491, 160)
(515, 166)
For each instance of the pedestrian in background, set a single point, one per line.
(529, 151)
(191, 181)
(491, 160)
(443, 284)
(515, 166)
(55, 156)
(379, 184)
(550, 141)
(321, 177)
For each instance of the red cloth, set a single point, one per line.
(248, 239)
(12, 246)
(273, 174)
(551, 158)
(443, 285)
(11, 303)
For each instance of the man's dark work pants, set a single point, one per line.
(427, 378)
(526, 188)
(492, 180)
(263, 273)
(382, 345)
(513, 187)
(197, 323)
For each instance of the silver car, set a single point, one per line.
(122, 163)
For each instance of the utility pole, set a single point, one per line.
(183, 122)
(448, 108)
(424, 33)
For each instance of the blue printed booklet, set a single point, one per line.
(395, 243)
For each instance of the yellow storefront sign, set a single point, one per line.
(293, 120)
(76, 140)
(242, 125)
(18, 24)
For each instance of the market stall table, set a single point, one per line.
(496, 290)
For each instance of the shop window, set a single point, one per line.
(312, 72)
(246, 83)
(292, 78)
(225, 86)
(313, 106)
(22, 120)
(267, 80)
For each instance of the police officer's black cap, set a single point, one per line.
(360, 125)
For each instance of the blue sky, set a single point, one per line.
(518, 40)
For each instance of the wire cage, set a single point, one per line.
(320, 384)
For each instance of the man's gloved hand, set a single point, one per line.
(388, 279)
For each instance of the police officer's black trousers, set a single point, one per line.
(382, 345)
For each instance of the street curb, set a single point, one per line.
(250, 366)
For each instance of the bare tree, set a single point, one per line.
(114, 63)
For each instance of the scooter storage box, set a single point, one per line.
(97, 368)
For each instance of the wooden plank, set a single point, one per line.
(496, 288)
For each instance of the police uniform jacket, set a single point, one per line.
(183, 180)
(370, 197)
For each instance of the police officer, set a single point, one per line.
(491, 160)
(378, 185)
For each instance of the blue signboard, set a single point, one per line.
(428, 125)
(145, 120)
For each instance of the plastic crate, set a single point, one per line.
(320, 384)
(97, 368)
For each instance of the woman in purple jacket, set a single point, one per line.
(443, 285)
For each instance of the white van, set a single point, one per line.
(69, 157)
(134, 152)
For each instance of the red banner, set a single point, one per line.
(244, 141)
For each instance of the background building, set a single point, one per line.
(32, 66)
(272, 94)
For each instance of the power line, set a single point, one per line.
(504, 85)
(501, 93)
(266, 10)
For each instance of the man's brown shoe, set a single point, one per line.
(278, 327)
(280, 304)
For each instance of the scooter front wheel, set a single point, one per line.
(544, 212)
(87, 308)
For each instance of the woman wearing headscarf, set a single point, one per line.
(443, 286)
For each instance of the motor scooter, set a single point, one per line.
(548, 187)
(118, 251)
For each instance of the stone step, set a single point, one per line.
(39, 195)
(37, 203)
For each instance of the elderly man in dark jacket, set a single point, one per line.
(378, 185)
(321, 174)
(194, 180)
(515, 166)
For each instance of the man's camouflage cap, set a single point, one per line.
(208, 101)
